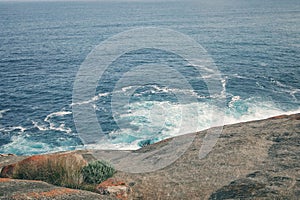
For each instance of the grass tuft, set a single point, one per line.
(70, 171)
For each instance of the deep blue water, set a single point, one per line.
(255, 45)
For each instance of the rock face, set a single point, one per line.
(252, 160)
(115, 188)
(11, 189)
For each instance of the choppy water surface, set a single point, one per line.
(254, 44)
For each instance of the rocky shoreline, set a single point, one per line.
(251, 160)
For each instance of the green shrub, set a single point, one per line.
(97, 172)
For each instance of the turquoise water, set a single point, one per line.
(254, 44)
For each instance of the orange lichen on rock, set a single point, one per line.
(68, 163)
(111, 182)
(111, 186)
(39, 159)
(2, 180)
(7, 171)
(51, 193)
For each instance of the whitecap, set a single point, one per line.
(3, 112)
(61, 128)
(50, 125)
(59, 113)
(13, 128)
(38, 126)
(233, 100)
(94, 99)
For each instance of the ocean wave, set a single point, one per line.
(160, 120)
(52, 125)
(113, 146)
(253, 109)
(59, 114)
(286, 88)
(14, 128)
(148, 122)
(21, 145)
(154, 90)
(92, 100)
(38, 126)
(3, 112)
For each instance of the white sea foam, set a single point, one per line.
(286, 88)
(233, 100)
(158, 120)
(263, 64)
(20, 145)
(50, 125)
(196, 62)
(239, 76)
(38, 126)
(22, 129)
(125, 89)
(258, 111)
(107, 145)
(92, 100)
(292, 92)
(223, 92)
(166, 121)
(60, 113)
(61, 127)
(3, 112)
(13, 128)
(128, 88)
(163, 89)
(154, 119)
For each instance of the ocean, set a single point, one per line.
(254, 46)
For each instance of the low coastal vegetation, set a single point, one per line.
(97, 172)
(67, 170)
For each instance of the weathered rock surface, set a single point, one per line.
(12, 189)
(115, 188)
(72, 161)
(252, 160)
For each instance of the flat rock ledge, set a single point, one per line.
(251, 160)
(13, 189)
